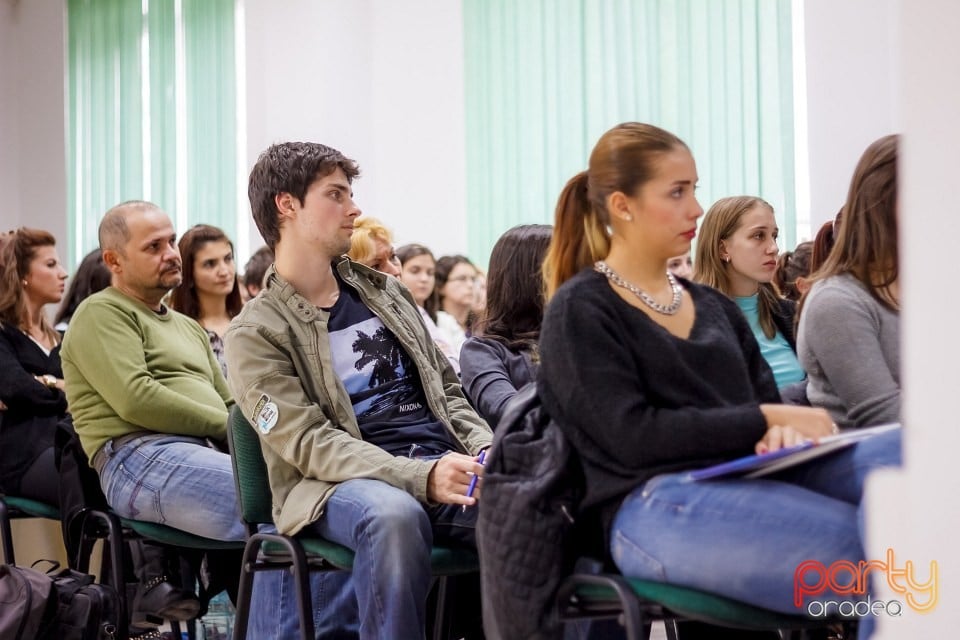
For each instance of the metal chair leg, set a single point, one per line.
(440, 618)
(247, 571)
(6, 532)
(673, 629)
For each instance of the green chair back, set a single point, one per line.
(249, 470)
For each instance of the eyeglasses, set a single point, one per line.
(470, 279)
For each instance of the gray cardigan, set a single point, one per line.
(849, 345)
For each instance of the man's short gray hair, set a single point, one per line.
(114, 233)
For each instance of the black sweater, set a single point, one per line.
(636, 401)
(784, 317)
(33, 410)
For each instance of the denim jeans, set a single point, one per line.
(744, 538)
(174, 480)
(181, 482)
(392, 535)
(273, 606)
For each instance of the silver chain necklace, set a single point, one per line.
(665, 309)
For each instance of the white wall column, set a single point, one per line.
(852, 92)
(914, 510)
(380, 81)
(33, 183)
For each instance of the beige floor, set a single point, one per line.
(40, 539)
(37, 539)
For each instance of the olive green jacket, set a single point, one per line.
(282, 376)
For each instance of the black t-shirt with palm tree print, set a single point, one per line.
(382, 381)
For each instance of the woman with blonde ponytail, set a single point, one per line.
(650, 377)
(582, 240)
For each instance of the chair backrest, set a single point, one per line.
(249, 471)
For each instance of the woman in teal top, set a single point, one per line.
(737, 254)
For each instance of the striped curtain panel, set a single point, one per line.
(545, 78)
(151, 112)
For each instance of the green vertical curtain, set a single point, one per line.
(123, 90)
(545, 78)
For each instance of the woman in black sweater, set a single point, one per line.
(31, 379)
(649, 378)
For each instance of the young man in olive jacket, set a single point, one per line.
(367, 435)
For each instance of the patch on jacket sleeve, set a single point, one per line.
(265, 414)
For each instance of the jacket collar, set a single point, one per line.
(353, 273)
(349, 270)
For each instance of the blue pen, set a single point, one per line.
(473, 480)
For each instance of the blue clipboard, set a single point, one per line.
(742, 466)
(762, 464)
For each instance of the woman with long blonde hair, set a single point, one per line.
(849, 332)
(737, 255)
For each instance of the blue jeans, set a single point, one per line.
(392, 535)
(744, 538)
(273, 606)
(174, 480)
(180, 482)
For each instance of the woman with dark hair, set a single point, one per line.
(31, 377)
(793, 272)
(849, 332)
(91, 276)
(502, 356)
(737, 255)
(417, 273)
(823, 242)
(456, 287)
(210, 291)
(649, 377)
(254, 271)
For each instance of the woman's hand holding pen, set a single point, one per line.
(450, 479)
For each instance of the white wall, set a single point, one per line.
(382, 82)
(852, 91)
(914, 511)
(9, 135)
(32, 141)
(32, 166)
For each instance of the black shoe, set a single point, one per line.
(158, 597)
(149, 634)
(161, 600)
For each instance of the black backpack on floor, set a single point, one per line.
(59, 605)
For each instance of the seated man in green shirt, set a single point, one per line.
(146, 393)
